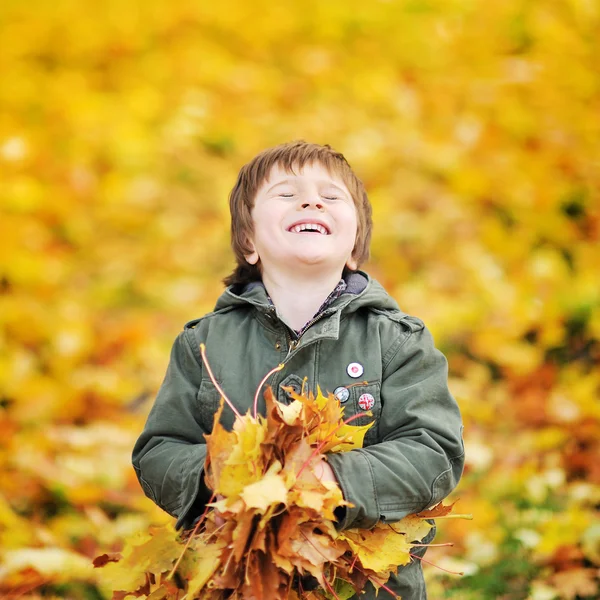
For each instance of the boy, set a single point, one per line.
(301, 225)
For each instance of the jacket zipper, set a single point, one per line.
(291, 347)
(293, 344)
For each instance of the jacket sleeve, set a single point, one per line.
(168, 457)
(420, 455)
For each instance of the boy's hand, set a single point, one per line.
(324, 472)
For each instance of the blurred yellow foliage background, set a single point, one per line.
(476, 128)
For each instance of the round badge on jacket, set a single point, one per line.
(366, 401)
(342, 394)
(355, 370)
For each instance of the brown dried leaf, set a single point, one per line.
(576, 582)
(439, 510)
(103, 559)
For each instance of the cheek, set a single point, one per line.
(353, 226)
(355, 236)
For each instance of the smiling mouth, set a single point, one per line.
(309, 228)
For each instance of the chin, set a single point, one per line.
(318, 264)
(311, 259)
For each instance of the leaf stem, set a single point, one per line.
(212, 378)
(330, 588)
(432, 545)
(357, 384)
(264, 379)
(382, 585)
(376, 582)
(434, 565)
(465, 516)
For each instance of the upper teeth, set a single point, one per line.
(309, 227)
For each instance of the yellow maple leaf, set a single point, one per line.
(414, 528)
(205, 564)
(155, 553)
(347, 437)
(380, 549)
(290, 413)
(235, 457)
(268, 491)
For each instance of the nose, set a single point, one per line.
(317, 205)
(311, 201)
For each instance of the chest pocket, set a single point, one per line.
(291, 382)
(365, 398)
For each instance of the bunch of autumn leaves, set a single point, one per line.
(272, 532)
(271, 535)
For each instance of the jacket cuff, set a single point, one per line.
(194, 493)
(360, 492)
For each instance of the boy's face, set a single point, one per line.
(306, 219)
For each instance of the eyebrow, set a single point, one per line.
(292, 181)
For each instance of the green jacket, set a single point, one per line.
(413, 455)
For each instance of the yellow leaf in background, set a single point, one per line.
(15, 531)
(591, 543)
(562, 529)
(57, 564)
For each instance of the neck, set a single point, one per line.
(298, 296)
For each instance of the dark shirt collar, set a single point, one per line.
(352, 283)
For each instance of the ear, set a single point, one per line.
(252, 257)
(352, 264)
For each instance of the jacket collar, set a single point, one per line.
(363, 292)
(256, 295)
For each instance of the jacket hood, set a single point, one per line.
(362, 292)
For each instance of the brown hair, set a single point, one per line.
(289, 156)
